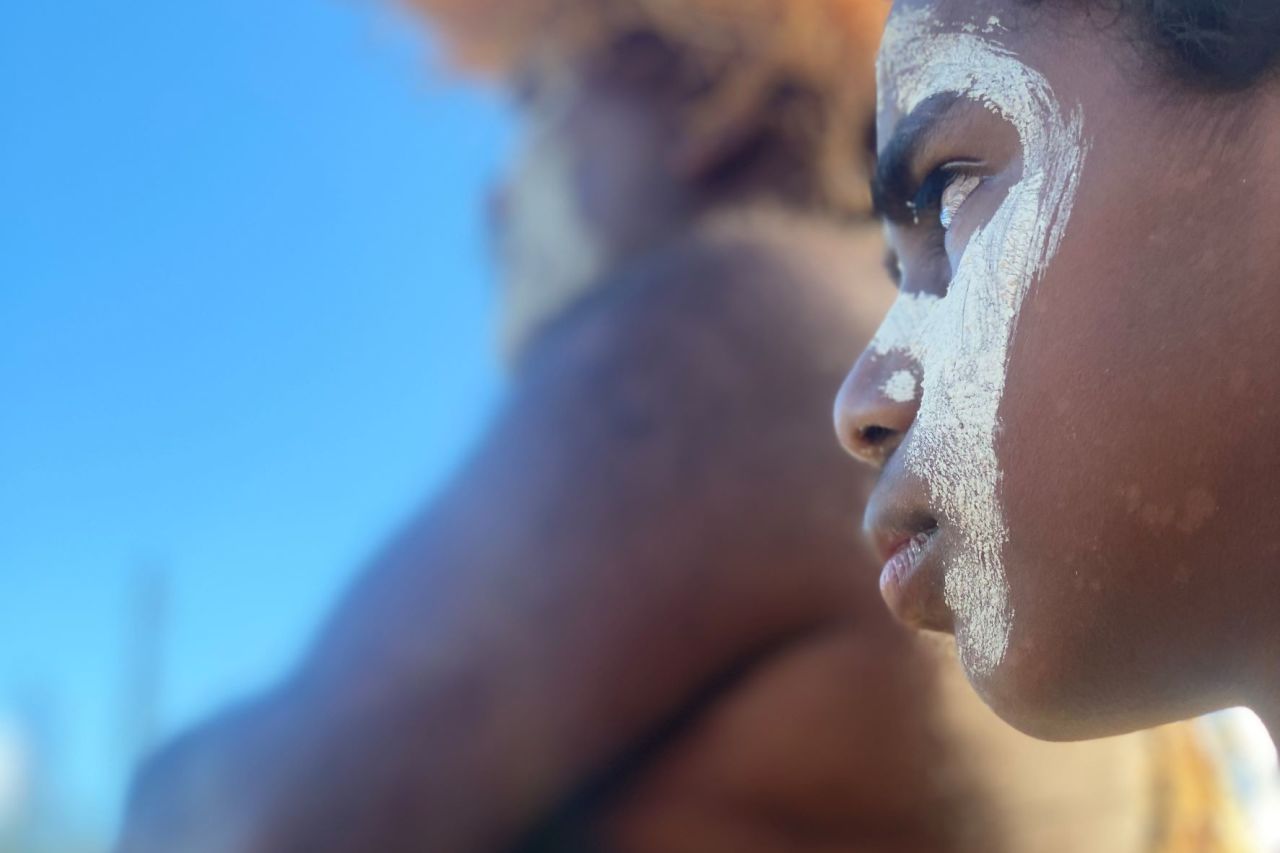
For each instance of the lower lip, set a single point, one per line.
(901, 578)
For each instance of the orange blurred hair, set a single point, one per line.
(750, 49)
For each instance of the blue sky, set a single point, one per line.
(244, 328)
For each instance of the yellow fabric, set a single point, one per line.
(1196, 811)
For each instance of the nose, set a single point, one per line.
(877, 405)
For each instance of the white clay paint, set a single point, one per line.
(901, 387)
(901, 327)
(962, 341)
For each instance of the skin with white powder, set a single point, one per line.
(962, 341)
(902, 387)
(900, 330)
(1098, 214)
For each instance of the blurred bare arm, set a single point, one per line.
(656, 509)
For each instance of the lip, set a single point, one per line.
(904, 558)
(912, 542)
(911, 582)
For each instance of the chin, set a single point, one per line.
(1060, 692)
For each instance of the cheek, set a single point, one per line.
(979, 208)
(1139, 464)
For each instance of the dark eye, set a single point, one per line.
(957, 191)
(945, 191)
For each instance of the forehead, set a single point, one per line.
(917, 33)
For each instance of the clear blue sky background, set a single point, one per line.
(244, 329)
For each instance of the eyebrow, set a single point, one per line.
(894, 184)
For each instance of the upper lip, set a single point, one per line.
(897, 512)
(889, 543)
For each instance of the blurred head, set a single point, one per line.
(645, 116)
(1074, 400)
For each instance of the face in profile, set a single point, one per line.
(1073, 401)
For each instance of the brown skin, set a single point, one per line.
(639, 616)
(1138, 444)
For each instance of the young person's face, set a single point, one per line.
(1076, 400)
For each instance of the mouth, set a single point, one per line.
(912, 544)
(911, 582)
(904, 558)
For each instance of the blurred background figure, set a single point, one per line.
(637, 619)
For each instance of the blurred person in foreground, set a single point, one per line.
(639, 620)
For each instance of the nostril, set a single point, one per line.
(875, 436)
(870, 423)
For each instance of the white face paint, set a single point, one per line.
(901, 387)
(963, 340)
(900, 330)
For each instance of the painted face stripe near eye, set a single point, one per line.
(963, 342)
(901, 328)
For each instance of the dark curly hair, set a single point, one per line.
(1216, 44)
